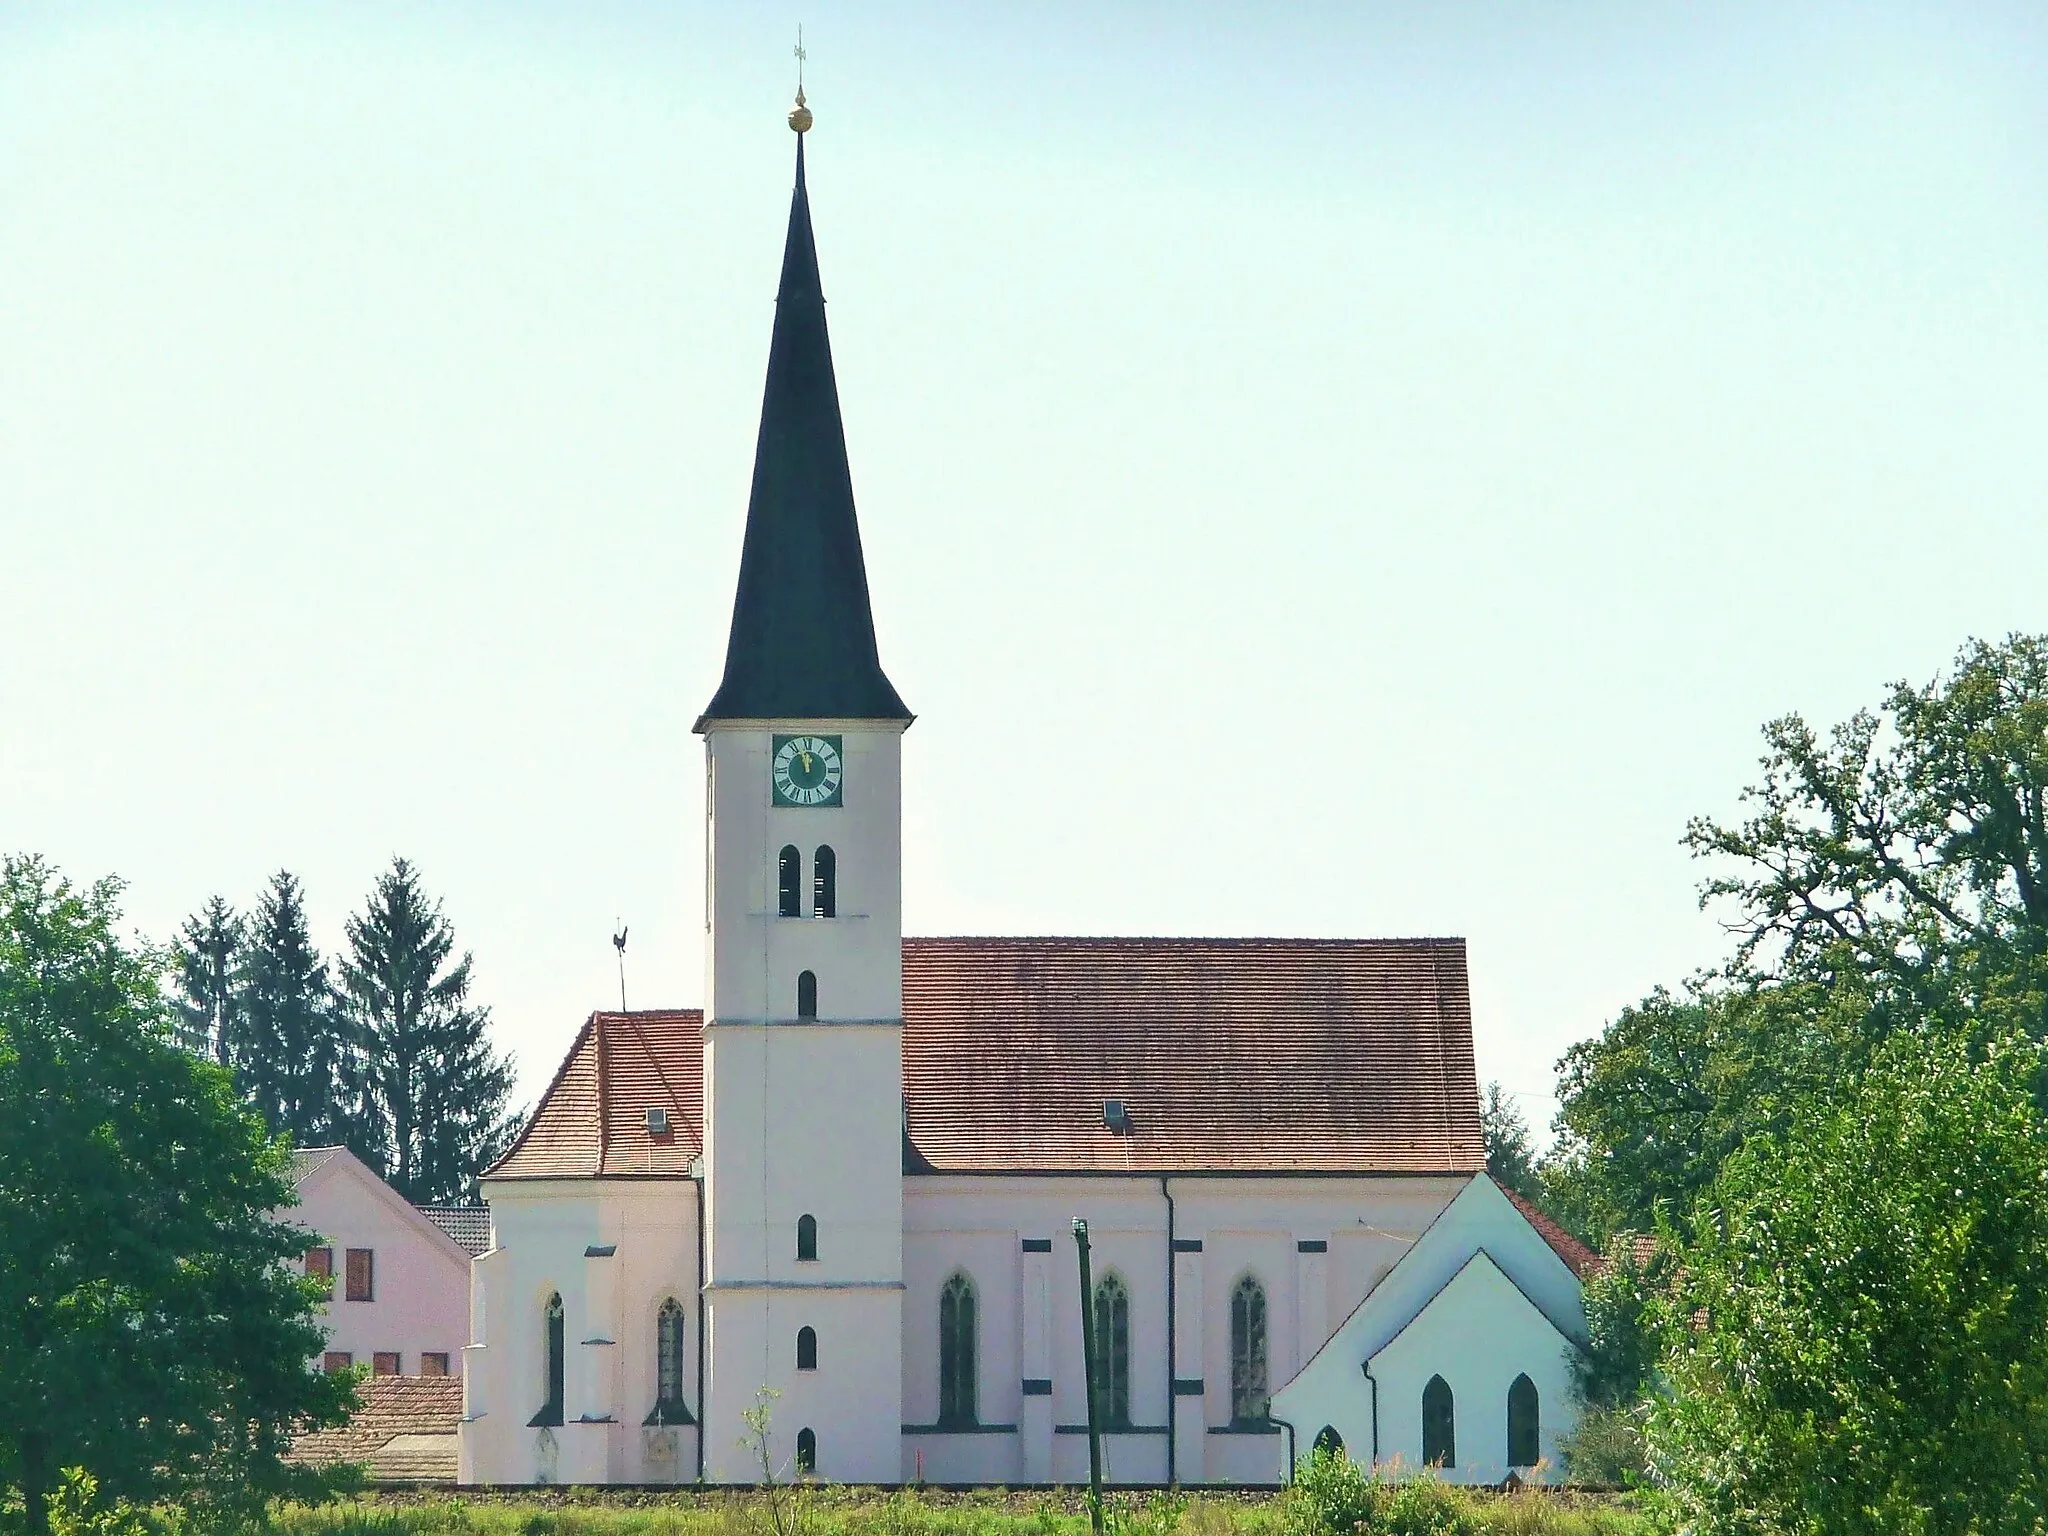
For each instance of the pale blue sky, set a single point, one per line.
(1366, 470)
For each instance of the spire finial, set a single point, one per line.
(800, 115)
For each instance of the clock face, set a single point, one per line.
(807, 771)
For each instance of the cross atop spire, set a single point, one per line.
(803, 635)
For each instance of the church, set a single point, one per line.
(846, 1190)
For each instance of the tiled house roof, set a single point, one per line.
(404, 1432)
(469, 1225)
(1229, 1055)
(307, 1161)
(1579, 1259)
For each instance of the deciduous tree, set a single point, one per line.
(154, 1327)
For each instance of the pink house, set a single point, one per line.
(400, 1303)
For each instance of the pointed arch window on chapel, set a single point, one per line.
(789, 882)
(1248, 1403)
(1113, 1351)
(957, 1363)
(552, 1363)
(668, 1366)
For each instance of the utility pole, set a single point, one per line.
(1088, 1377)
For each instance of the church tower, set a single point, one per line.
(803, 1025)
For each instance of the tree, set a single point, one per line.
(1613, 1376)
(208, 948)
(1505, 1129)
(1909, 848)
(153, 1329)
(300, 1067)
(1859, 1331)
(436, 1090)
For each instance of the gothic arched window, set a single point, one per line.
(806, 1451)
(1524, 1422)
(807, 1348)
(668, 1363)
(807, 1239)
(1328, 1442)
(789, 881)
(824, 883)
(1248, 1352)
(552, 1363)
(1439, 1425)
(1113, 1351)
(957, 1340)
(807, 995)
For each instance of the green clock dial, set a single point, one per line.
(807, 771)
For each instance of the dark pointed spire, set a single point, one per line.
(803, 636)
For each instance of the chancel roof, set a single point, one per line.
(1227, 1055)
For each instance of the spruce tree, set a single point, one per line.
(206, 952)
(435, 1089)
(298, 1068)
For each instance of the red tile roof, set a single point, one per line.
(1581, 1260)
(1232, 1055)
(392, 1407)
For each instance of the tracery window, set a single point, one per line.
(957, 1350)
(1248, 1402)
(1439, 1425)
(1113, 1351)
(1524, 1424)
(668, 1364)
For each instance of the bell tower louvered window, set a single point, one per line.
(789, 882)
(824, 883)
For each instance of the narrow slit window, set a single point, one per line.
(807, 1239)
(807, 1348)
(807, 995)
(553, 1362)
(1439, 1425)
(824, 883)
(789, 870)
(1524, 1424)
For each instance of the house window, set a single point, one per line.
(336, 1360)
(957, 1338)
(1113, 1351)
(434, 1363)
(807, 1348)
(1439, 1425)
(824, 883)
(807, 1239)
(552, 1362)
(384, 1363)
(806, 1451)
(1524, 1449)
(362, 1274)
(668, 1363)
(807, 995)
(1248, 1352)
(789, 879)
(1328, 1442)
(320, 1263)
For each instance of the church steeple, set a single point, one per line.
(803, 636)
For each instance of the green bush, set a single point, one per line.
(1333, 1496)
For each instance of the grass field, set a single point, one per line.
(1434, 1509)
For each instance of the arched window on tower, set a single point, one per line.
(1248, 1352)
(957, 1366)
(807, 995)
(1113, 1351)
(1439, 1425)
(806, 1451)
(1524, 1424)
(807, 1239)
(668, 1365)
(824, 883)
(807, 1348)
(789, 882)
(552, 1364)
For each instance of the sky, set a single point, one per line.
(1329, 470)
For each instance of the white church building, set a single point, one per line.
(851, 1180)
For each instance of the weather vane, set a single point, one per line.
(619, 943)
(800, 115)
